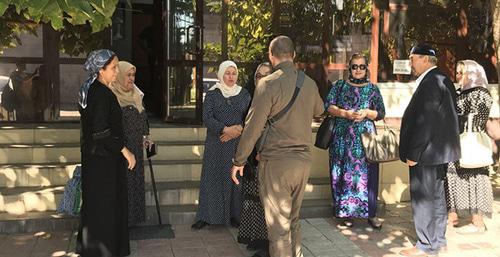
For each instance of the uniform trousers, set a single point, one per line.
(282, 185)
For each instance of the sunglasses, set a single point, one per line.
(361, 67)
(259, 75)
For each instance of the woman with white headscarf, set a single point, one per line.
(103, 228)
(468, 191)
(224, 112)
(136, 130)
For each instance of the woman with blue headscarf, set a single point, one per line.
(103, 228)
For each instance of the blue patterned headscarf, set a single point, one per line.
(94, 63)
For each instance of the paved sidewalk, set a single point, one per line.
(322, 237)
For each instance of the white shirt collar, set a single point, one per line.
(421, 77)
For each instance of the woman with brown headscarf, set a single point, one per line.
(136, 131)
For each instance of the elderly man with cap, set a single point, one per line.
(428, 141)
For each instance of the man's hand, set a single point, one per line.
(411, 163)
(234, 171)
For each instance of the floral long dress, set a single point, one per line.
(354, 180)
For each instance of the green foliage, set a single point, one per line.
(354, 12)
(249, 29)
(74, 18)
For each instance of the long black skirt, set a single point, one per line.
(103, 226)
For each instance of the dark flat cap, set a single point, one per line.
(422, 49)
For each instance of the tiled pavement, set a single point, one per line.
(321, 238)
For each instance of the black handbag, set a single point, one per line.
(325, 130)
(324, 134)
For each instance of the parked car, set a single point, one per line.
(207, 84)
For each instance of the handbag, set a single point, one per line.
(381, 147)
(324, 133)
(476, 148)
(71, 202)
(151, 150)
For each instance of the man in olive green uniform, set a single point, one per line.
(285, 158)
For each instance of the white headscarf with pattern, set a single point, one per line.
(475, 74)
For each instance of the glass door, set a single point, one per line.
(182, 75)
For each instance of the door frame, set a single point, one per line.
(197, 62)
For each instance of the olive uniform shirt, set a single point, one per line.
(291, 136)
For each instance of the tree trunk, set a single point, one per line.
(495, 6)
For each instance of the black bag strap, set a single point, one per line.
(275, 118)
(300, 80)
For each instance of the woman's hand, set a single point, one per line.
(231, 132)
(130, 158)
(146, 142)
(360, 115)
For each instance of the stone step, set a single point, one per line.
(171, 214)
(186, 214)
(26, 175)
(70, 152)
(20, 200)
(70, 133)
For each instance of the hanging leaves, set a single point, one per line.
(71, 17)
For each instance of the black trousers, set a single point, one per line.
(429, 206)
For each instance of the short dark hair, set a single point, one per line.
(109, 61)
(282, 46)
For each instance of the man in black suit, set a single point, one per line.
(428, 141)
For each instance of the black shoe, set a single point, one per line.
(199, 225)
(375, 223)
(235, 223)
(257, 245)
(262, 253)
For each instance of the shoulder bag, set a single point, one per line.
(476, 148)
(381, 147)
(325, 130)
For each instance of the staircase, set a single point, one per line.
(36, 162)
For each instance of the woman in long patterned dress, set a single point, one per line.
(468, 191)
(355, 104)
(224, 111)
(253, 230)
(103, 229)
(136, 130)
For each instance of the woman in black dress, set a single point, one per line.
(136, 130)
(103, 228)
(252, 230)
(224, 111)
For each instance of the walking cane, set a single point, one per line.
(155, 192)
(154, 231)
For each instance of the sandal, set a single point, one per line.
(346, 222)
(471, 229)
(375, 223)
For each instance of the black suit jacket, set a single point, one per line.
(429, 129)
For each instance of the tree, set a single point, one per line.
(495, 10)
(77, 20)
(249, 29)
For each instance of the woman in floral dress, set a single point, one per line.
(355, 104)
